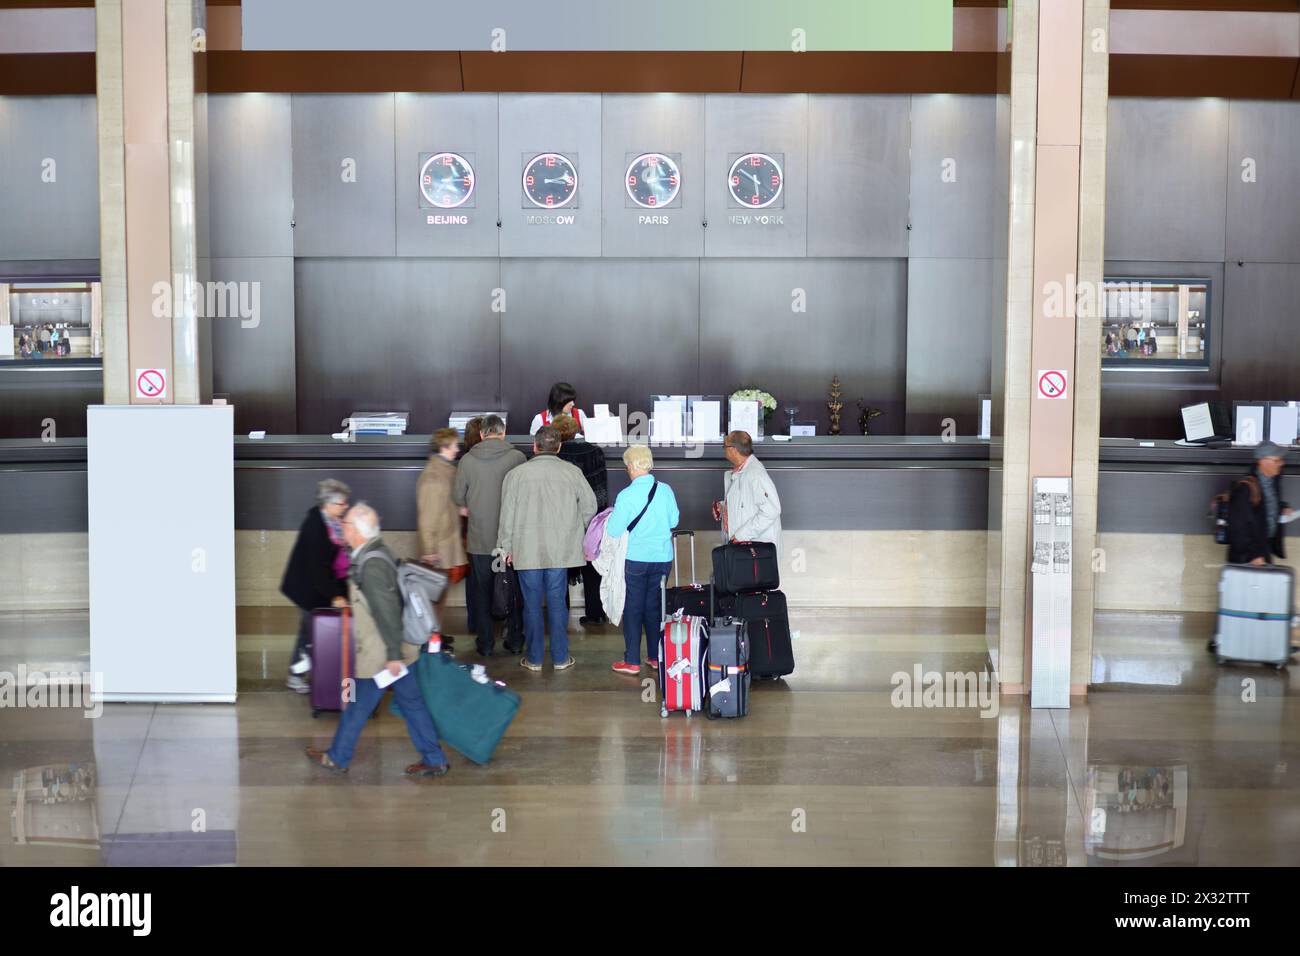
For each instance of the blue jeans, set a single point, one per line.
(419, 722)
(552, 586)
(642, 608)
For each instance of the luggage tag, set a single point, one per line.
(682, 666)
(721, 687)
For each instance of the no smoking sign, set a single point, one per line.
(151, 383)
(1051, 383)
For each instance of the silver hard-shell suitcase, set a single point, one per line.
(1256, 605)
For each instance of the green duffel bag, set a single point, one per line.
(471, 717)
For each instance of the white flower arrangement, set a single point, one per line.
(765, 399)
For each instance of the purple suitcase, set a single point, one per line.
(333, 658)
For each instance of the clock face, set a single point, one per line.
(755, 180)
(653, 180)
(446, 180)
(550, 180)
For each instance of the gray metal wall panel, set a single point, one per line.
(30, 394)
(949, 314)
(1264, 215)
(618, 329)
(415, 335)
(739, 124)
(633, 124)
(250, 175)
(1261, 349)
(1166, 186)
(253, 364)
(858, 171)
(462, 123)
(855, 326)
(48, 220)
(337, 218)
(954, 219)
(532, 123)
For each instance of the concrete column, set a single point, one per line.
(145, 100)
(1059, 69)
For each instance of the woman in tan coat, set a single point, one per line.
(439, 518)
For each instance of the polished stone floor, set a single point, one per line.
(1169, 760)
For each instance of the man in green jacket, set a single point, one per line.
(477, 489)
(546, 505)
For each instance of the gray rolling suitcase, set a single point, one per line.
(1256, 605)
(728, 670)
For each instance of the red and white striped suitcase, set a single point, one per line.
(682, 660)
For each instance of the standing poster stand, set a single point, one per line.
(161, 517)
(1052, 586)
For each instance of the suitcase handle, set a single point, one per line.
(677, 574)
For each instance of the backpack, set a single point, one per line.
(420, 588)
(1219, 506)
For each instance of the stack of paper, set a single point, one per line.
(376, 423)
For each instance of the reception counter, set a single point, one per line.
(877, 520)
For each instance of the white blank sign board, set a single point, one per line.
(161, 488)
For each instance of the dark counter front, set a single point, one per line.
(845, 483)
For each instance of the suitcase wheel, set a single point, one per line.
(663, 711)
(711, 715)
(315, 712)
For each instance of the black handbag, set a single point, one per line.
(505, 593)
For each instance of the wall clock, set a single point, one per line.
(550, 180)
(755, 180)
(653, 180)
(446, 180)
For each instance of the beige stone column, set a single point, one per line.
(1059, 69)
(145, 99)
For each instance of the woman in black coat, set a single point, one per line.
(590, 460)
(317, 573)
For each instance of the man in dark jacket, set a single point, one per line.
(310, 579)
(1255, 507)
(590, 459)
(1255, 512)
(477, 490)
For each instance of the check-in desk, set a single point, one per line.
(869, 521)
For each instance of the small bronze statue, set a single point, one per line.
(835, 406)
(864, 419)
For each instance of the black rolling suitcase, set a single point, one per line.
(728, 670)
(694, 599)
(744, 566)
(767, 623)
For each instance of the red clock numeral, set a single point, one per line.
(776, 180)
(550, 160)
(428, 180)
(447, 160)
(672, 180)
(651, 201)
(631, 181)
(754, 200)
(446, 200)
(735, 180)
(468, 181)
(550, 200)
(755, 161)
(529, 180)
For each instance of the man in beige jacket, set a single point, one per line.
(377, 629)
(546, 505)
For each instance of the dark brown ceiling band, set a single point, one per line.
(46, 74)
(284, 71)
(1235, 77)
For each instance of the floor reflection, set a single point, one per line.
(1170, 760)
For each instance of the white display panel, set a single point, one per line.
(161, 513)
